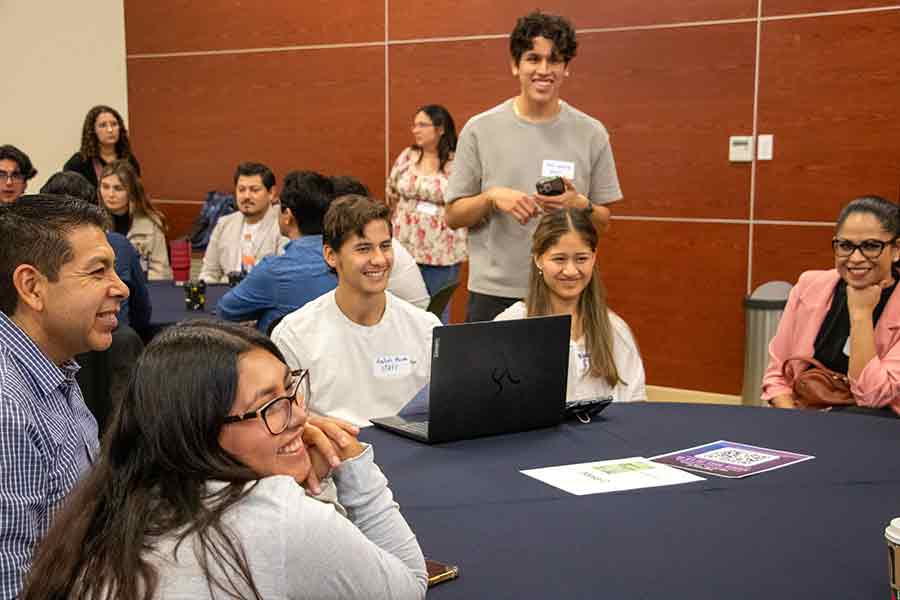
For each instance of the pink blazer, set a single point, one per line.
(879, 383)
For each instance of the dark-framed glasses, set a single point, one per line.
(870, 249)
(276, 413)
(15, 176)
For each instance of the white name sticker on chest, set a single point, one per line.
(558, 168)
(398, 365)
(428, 208)
(584, 362)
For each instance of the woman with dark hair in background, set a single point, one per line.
(197, 492)
(104, 139)
(135, 217)
(603, 355)
(415, 192)
(847, 318)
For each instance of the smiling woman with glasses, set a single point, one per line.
(201, 489)
(847, 318)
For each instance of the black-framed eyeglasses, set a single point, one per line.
(15, 176)
(276, 413)
(870, 249)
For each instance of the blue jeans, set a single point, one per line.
(437, 278)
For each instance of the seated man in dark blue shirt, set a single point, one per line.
(282, 284)
(136, 309)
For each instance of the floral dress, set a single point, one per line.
(418, 219)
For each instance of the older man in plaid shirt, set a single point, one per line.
(59, 295)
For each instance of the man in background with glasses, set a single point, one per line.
(15, 172)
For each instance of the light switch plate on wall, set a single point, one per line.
(765, 146)
(740, 148)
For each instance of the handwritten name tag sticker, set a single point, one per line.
(584, 362)
(558, 168)
(388, 366)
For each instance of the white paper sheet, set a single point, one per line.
(610, 476)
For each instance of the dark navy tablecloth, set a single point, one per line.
(813, 530)
(169, 307)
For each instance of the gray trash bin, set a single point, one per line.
(762, 310)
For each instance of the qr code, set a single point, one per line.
(737, 456)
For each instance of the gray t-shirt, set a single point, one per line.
(497, 148)
(298, 547)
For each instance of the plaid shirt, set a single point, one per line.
(48, 438)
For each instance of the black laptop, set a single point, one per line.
(490, 378)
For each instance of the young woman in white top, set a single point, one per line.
(603, 355)
(202, 489)
(135, 217)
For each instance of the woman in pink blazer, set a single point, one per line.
(847, 318)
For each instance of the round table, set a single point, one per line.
(811, 530)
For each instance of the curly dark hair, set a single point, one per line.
(90, 144)
(557, 29)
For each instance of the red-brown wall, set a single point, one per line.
(332, 87)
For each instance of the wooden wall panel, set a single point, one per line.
(796, 7)
(782, 252)
(439, 18)
(430, 73)
(181, 216)
(670, 99)
(680, 287)
(829, 92)
(195, 118)
(177, 26)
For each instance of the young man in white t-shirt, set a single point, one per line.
(242, 239)
(368, 351)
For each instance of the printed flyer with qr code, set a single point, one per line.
(730, 459)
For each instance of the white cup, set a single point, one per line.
(892, 537)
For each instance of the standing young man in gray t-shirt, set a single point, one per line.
(504, 151)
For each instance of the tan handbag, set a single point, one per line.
(818, 386)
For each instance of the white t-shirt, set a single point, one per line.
(357, 372)
(581, 385)
(246, 257)
(406, 279)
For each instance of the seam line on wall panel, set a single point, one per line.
(456, 38)
(832, 13)
(495, 36)
(166, 201)
(721, 221)
(794, 223)
(387, 93)
(677, 25)
(754, 163)
(256, 50)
